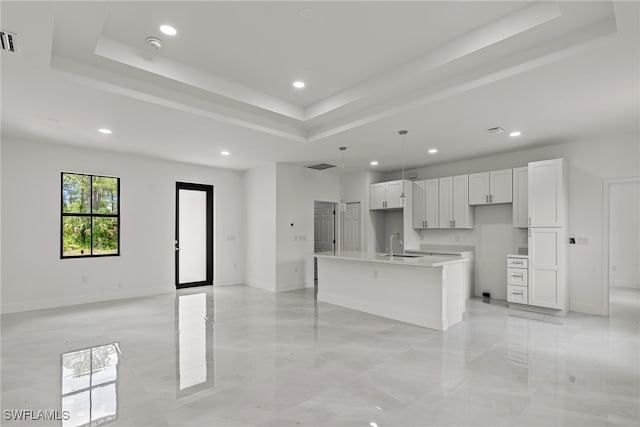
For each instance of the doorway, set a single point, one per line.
(194, 235)
(324, 226)
(622, 248)
(351, 231)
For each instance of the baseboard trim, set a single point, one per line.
(44, 304)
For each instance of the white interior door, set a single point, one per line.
(324, 227)
(194, 235)
(351, 228)
(624, 235)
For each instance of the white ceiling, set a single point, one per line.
(446, 71)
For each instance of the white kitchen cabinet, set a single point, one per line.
(377, 195)
(479, 188)
(453, 202)
(547, 267)
(425, 204)
(394, 190)
(501, 185)
(491, 187)
(520, 197)
(386, 195)
(547, 185)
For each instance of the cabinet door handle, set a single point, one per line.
(529, 232)
(529, 221)
(426, 224)
(517, 262)
(516, 293)
(454, 223)
(490, 198)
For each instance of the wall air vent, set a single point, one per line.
(321, 166)
(496, 129)
(8, 41)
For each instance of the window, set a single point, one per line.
(90, 220)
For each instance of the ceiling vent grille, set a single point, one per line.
(8, 41)
(321, 166)
(496, 129)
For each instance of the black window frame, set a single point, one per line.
(89, 215)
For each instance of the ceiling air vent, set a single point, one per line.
(496, 129)
(8, 41)
(321, 166)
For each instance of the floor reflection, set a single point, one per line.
(195, 335)
(90, 385)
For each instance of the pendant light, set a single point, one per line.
(403, 196)
(342, 206)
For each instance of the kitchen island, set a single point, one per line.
(424, 290)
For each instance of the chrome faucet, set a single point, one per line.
(391, 243)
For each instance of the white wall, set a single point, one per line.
(589, 163)
(624, 237)
(260, 202)
(34, 276)
(296, 190)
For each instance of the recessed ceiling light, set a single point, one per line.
(168, 30)
(374, 163)
(433, 150)
(225, 153)
(516, 133)
(298, 84)
(105, 131)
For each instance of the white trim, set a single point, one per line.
(606, 190)
(41, 304)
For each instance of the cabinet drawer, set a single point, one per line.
(517, 294)
(517, 262)
(517, 276)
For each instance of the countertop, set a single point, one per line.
(444, 249)
(426, 261)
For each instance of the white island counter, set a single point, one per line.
(425, 291)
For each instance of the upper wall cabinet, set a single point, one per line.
(386, 195)
(547, 183)
(453, 202)
(425, 204)
(490, 187)
(520, 197)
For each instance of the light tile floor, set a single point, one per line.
(238, 356)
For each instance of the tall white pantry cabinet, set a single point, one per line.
(547, 221)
